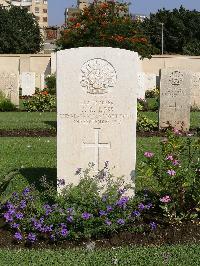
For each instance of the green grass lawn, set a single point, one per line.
(187, 255)
(36, 120)
(36, 157)
(25, 120)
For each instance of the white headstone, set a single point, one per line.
(28, 83)
(150, 81)
(97, 111)
(141, 85)
(53, 63)
(9, 85)
(195, 90)
(175, 89)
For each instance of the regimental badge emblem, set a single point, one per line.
(176, 78)
(98, 76)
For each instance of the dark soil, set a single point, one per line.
(179, 234)
(28, 133)
(52, 133)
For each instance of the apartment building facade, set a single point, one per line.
(38, 7)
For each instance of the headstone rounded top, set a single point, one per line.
(98, 76)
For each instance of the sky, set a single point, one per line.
(57, 7)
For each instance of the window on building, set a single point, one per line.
(37, 10)
(37, 18)
(44, 10)
(45, 2)
(37, 1)
(45, 19)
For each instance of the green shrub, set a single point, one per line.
(145, 124)
(51, 84)
(41, 102)
(152, 104)
(152, 93)
(5, 104)
(177, 174)
(97, 206)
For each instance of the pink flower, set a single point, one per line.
(165, 199)
(148, 154)
(176, 131)
(171, 172)
(175, 162)
(170, 157)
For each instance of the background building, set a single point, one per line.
(38, 7)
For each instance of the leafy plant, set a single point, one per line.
(96, 206)
(51, 84)
(41, 102)
(177, 173)
(19, 31)
(105, 24)
(181, 30)
(5, 104)
(145, 124)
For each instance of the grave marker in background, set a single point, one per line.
(9, 85)
(175, 99)
(195, 90)
(28, 83)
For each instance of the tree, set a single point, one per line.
(181, 30)
(19, 31)
(105, 24)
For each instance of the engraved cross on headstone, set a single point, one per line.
(96, 145)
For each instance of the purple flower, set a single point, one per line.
(46, 229)
(171, 172)
(104, 198)
(121, 221)
(23, 204)
(60, 182)
(70, 219)
(86, 216)
(52, 237)
(122, 202)
(106, 164)
(148, 154)
(108, 222)
(141, 207)
(14, 225)
(37, 225)
(64, 232)
(19, 215)
(148, 206)
(153, 225)
(102, 213)
(47, 209)
(26, 191)
(15, 195)
(121, 191)
(8, 217)
(18, 236)
(136, 213)
(70, 210)
(10, 206)
(109, 208)
(78, 171)
(31, 237)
